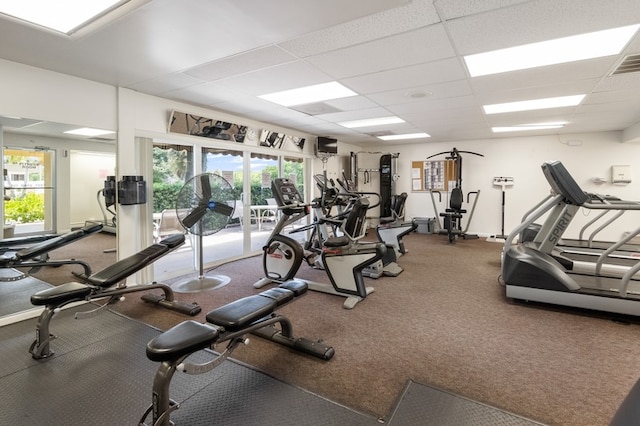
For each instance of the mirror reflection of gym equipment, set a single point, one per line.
(452, 216)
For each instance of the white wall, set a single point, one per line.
(588, 156)
(88, 171)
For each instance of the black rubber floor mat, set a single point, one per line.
(422, 405)
(100, 375)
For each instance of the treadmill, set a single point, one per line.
(531, 273)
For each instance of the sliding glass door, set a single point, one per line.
(250, 176)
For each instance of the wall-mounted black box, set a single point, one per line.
(132, 190)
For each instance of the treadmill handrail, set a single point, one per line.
(549, 203)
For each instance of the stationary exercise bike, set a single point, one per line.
(343, 256)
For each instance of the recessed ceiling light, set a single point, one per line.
(64, 16)
(557, 102)
(309, 94)
(86, 131)
(371, 122)
(558, 51)
(406, 136)
(528, 127)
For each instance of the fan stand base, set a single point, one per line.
(201, 283)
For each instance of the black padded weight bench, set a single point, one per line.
(106, 284)
(37, 255)
(229, 323)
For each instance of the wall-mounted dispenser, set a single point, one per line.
(109, 191)
(132, 190)
(620, 174)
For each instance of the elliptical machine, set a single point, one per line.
(343, 257)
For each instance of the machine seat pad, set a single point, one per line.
(280, 295)
(337, 241)
(56, 242)
(61, 294)
(243, 312)
(113, 274)
(183, 339)
(298, 287)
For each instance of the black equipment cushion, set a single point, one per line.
(298, 287)
(56, 242)
(128, 266)
(60, 294)
(182, 339)
(241, 313)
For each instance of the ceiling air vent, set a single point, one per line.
(630, 64)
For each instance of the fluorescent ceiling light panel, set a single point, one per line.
(558, 102)
(86, 131)
(371, 122)
(406, 136)
(62, 15)
(309, 94)
(526, 127)
(558, 51)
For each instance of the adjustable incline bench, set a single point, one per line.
(229, 323)
(105, 284)
(37, 255)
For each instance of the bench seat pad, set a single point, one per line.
(60, 294)
(183, 339)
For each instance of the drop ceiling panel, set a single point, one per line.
(166, 83)
(543, 76)
(355, 115)
(428, 105)
(241, 63)
(539, 92)
(406, 77)
(415, 94)
(424, 45)
(411, 16)
(534, 21)
(283, 77)
(204, 94)
(452, 9)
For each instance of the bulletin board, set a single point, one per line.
(432, 175)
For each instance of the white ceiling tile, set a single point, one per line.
(282, 77)
(166, 83)
(407, 77)
(241, 63)
(415, 47)
(534, 21)
(538, 92)
(452, 9)
(414, 14)
(451, 89)
(204, 94)
(352, 103)
(428, 105)
(337, 117)
(486, 86)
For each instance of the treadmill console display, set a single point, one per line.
(563, 183)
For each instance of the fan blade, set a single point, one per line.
(206, 187)
(223, 209)
(194, 216)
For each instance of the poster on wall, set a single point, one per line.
(275, 140)
(195, 125)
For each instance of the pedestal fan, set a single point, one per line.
(204, 206)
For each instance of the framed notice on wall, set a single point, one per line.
(432, 175)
